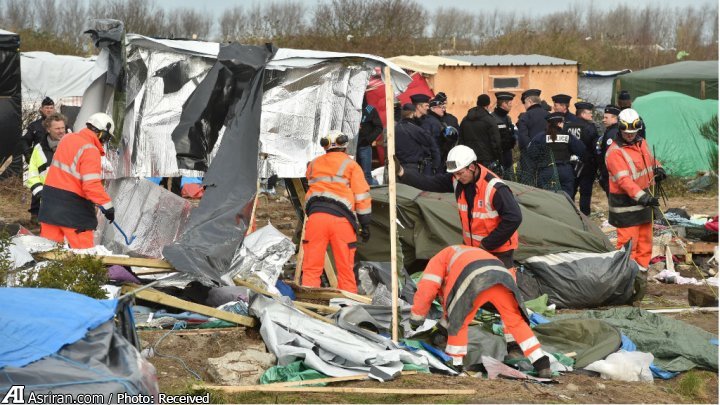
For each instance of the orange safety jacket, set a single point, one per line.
(630, 168)
(335, 178)
(484, 219)
(74, 183)
(459, 274)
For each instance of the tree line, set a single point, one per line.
(623, 37)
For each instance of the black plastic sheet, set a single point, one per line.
(10, 99)
(218, 226)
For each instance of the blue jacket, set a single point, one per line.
(531, 123)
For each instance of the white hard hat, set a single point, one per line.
(459, 157)
(334, 139)
(102, 122)
(629, 121)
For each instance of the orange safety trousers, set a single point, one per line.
(504, 301)
(320, 229)
(76, 240)
(642, 241)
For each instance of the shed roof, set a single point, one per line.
(512, 60)
(427, 64)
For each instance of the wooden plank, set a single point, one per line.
(392, 194)
(166, 299)
(302, 292)
(701, 248)
(330, 271)
(110, 260)
(320, 308)
(356, 390)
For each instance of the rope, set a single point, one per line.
(178, 326)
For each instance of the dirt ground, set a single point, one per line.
(195, 348)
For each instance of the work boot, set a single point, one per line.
(542, 367)
(514, 352)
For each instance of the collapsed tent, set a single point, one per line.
(10, 94)
(673, 123)
(88, 352)
(694, 78)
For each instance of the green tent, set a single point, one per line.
(672, 121)
(429, 222)
(698, 79)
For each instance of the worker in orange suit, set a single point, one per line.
(73, 186)
(632, 171)
(466, 278)
(337, 205)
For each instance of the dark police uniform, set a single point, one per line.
(435, 126)
(415, 148)
(478, 131)
(530, 124)
(586, 168)
(561, 149)
(603, 143)
(506, 128)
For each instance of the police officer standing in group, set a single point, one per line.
(625, 102)
(414, 146)
(36, 130)
(444, 136)
(479, 131)
(561, 148)
(586, 168)
(505, 126)
(532, 121)
(561, 104)
(610, 120)
(447, 118)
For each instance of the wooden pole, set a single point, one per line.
(702, 89)
(389, 110)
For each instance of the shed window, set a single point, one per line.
(506, 82)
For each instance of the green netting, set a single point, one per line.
(694, 78)
(295, 371)
(673, 134)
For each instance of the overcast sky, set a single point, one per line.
(533, 7)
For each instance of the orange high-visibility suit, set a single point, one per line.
(337, 192)
(466, 278)
(630, 168)
(72, 189)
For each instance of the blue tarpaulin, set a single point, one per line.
(37, 322)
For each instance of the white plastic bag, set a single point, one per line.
(624, 366)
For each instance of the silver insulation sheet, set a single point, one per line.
(307, 103)
(153, 214)
(158, 84)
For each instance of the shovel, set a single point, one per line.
(127, 241)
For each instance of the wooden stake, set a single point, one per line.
(356, 390)
(390, 120)
(320, 308)
(166, 299)
(122, 261)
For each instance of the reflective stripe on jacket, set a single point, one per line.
(483, 219)
(630, 169)
(38, 166)
(458, 274)
(74, 183)
(335, 177)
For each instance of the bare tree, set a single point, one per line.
(18, 14)
(74, 17)
(233, 24)
(284, 19)
(46, 15)
(139, 16)
(452, 23)
(188, 23)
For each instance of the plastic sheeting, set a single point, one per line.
(291, 335)
(10, 94)
(580, 280)
(103, 362)
(154, 215)
(261, 257)
(55, 76)
(217, 227)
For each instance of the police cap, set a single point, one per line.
(612, 109)
(530, 92)
(561, 99)
(583, 105)
(408, 107)
(504, 96)
(435, 102)
(420, 98)
(555, 117)
(47, 101)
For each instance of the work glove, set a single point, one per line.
(450, 132)
(648, 200)
(660, 174)
(398, 167)
(415, 324)
(365, 234)
(110, 214)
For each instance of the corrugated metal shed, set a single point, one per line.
(512, 60)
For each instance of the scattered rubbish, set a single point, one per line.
(624, 366)
(496, 368)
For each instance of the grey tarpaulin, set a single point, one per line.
(103, 362)
(153, 214)
(580, 280)
(108, 33)
(218, 225)
(590, 339)
(379, 272)
(291, 335)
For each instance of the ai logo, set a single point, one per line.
(15, 395)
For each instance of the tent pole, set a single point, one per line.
(389, 110)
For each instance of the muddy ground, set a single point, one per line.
(195, 348)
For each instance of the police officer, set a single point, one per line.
(414, 146)
(505, 126)
(532, 121)
(625, 102)
(36, 131)
(561, 104)
(610, 120)
(422, 105)
(444, 135)
(447, 118)
(479, 131)
(370, 128)
(585, 169)
(563, 148)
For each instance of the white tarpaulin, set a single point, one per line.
(56, 76)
